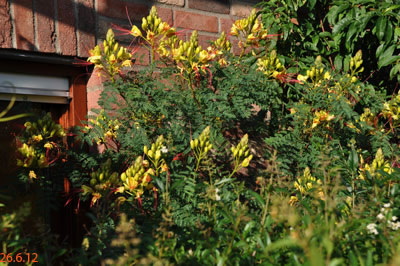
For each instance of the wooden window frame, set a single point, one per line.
(72, 114)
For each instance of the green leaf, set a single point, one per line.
(336, 262)
(353, 259)
(338, 62)
(342, 24)
(325, 34)
(353, 160)
(364, 22)
(352, 30)
(257, 196)
(379, 50)
(346, 63)
(388, 32)
(312, 3)
(224, 180)
(387, 57)
(391, 8)
(369, 261)
(395, 70)
(334, 11)
(380, 27)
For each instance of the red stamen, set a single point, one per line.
(178, 157)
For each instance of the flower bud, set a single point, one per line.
(123, 177)
(144, 24)
(138, 160)
(235, 152)
(120, 52)
(158, 155)
(192, 144)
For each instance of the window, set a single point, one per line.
(55, 83)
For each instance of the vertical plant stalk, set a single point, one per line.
(266, 207)
(190, 85)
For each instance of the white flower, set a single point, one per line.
(164, 149)
(394, 226)
(217, 197)
(394, 218)
(372, 229)
(386, 205)
(380, 216)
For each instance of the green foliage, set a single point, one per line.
(211, 158)
(335, 29)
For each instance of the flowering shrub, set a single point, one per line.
(217, 158)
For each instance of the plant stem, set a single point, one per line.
(193, 92)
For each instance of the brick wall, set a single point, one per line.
(73, 27)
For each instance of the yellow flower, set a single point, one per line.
(126, 63)
(164, 168)
(321, 116)
(203, 57)
(222, 62)
(302, 78)
(48, 145)
(32, 174)
(234, 30)
(327, 75)
(379, 163)
(135, 31)
(37, 138)
(293, 200)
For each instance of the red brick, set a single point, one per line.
(5, 22)
(193, 21)
(86, 27)
(23, 18)
(226, 24)
(165, 14)
(204, 40)
(46, 36)
(117, 9)
(104, 25)
(142, 55)
(95, 81)
(172, 2)
(66, 27)
(93, 98)
(215, 6)
(242, 9)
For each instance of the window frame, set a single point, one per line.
(75, 112)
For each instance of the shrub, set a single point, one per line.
(215, 158)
